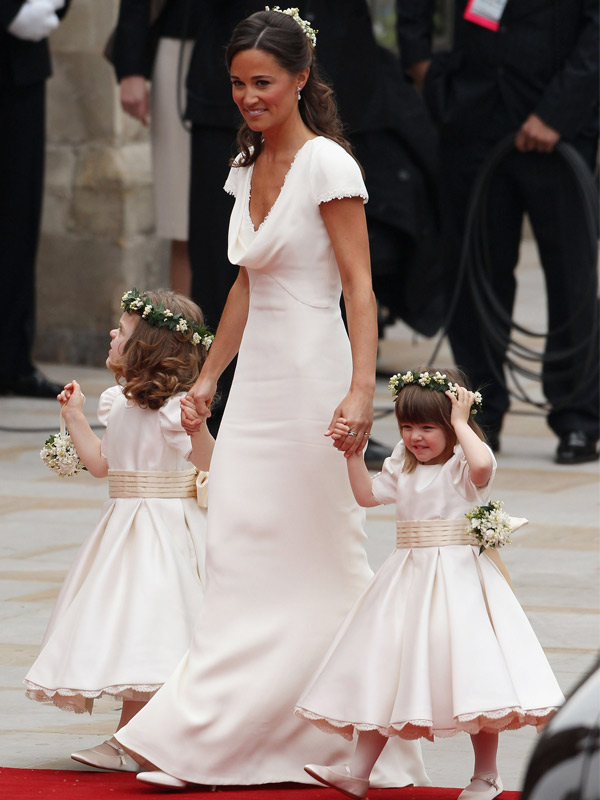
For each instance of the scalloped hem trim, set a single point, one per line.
(79, 701)
(508, 719)
(329, 196)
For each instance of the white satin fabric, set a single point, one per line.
(126, 611)
(285, 549)
(438, 642)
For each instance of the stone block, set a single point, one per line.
(85, 27)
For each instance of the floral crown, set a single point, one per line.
(160, 317)
(438, 382)
(294, 13)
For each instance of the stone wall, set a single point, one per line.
(98, 219)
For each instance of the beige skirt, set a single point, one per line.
(170, 141)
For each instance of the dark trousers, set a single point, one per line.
(543, 187)
(210, 207)
(22, 140)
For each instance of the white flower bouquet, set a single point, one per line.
(59, 453)
(490, 525)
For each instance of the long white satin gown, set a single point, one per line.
(437, 643)
(285, 545)
(126, 611)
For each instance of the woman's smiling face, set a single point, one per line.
(264, 92)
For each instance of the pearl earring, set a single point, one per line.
(299, 95)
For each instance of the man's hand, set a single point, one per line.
(535, 135)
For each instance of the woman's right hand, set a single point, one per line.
(135, 97)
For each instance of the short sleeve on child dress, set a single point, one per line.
(385, 484)
(334, 174)
(461, 478)
(105, 403)
(170, 426)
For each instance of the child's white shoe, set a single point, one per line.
(356, 788)
(159, 778)
(109, 755)
(494, 788)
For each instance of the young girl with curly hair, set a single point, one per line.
(125, 613)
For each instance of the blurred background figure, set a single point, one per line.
(24, 68)
(527, 68)
(153, 42)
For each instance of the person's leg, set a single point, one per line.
(569, 259)
(210, 207)
(485, 783)
(179, 264)
(352, 779)
(480, 356)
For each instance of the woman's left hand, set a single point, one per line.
(356, 409)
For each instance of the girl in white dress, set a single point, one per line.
(125, 614)
(437, 643)
(285, 544)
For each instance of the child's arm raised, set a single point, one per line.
(479, 459)
(87, 444)
(201, 440)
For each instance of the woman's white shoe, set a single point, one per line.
(159, 778)
(108, 755)
(356, 788)
(495, 788)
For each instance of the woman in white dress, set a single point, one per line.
(286, 556)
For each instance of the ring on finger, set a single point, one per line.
(352, 433)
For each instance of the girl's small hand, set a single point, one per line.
(461, 405)
(340, 429)
(356, 409)
(191, 421)
(200, 395)
(71, 398)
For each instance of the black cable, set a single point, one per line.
(475, 267)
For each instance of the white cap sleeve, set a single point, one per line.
(105, 403)
(385, 483)
(232, 184)
(334, 173)
(170, 426)
(461, 477)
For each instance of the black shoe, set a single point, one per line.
(375, 454)
(576, 447)
(33, 384)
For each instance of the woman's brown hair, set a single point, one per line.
(417, 405)
(157, 362)
(280, 35)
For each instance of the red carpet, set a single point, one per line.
(30, 784)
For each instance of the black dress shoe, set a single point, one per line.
(33, 384)
(375, 454)
(576, 447)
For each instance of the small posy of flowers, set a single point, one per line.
(294, 13)
(160, 317)
(489, 525)
(59, 455)
(436, 381)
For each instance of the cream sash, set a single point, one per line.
(151, 483)
(432, 533)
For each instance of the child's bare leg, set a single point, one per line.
(129, 710)
(368, 749)
(485, 750)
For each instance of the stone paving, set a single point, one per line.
(554, 561)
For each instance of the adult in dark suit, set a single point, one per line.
(536, 77)
(24, 69)
(388, 126)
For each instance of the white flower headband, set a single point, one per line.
(437, 382)
(294, 13)
(160, 317)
